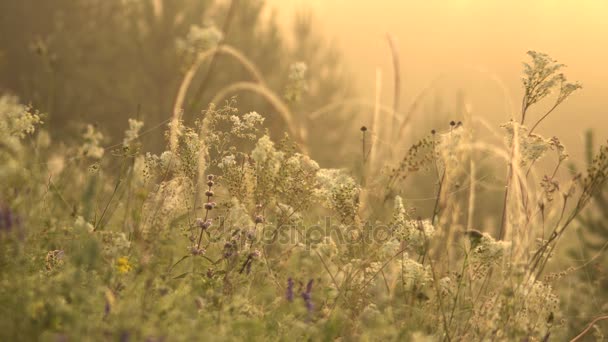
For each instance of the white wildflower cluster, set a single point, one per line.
(81, 224)
(447, 286)
(538, 307)
(227, 162)
(92, 143)
(246, 127)
(373, 268)
(133, 132)
(281, 175)
(486, 251)
(114, 243)
(304, 162)
(389, 249)
(16, 120)
(415, 233)
(338, 191)
(329, 181)
(415, 275)
(266, 154)
(542, 77)
(297, 82)
(530, 310)
(531, 146)
(168, 161)
(199, 39)
(155, 165)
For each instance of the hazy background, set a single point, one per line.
(100, 61)
(456, 37)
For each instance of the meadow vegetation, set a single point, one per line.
(232, 231)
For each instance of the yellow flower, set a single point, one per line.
(123, 265)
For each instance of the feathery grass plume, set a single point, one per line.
(397, 84)
(376, 126)
(420, 156)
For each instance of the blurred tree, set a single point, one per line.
(100, 60)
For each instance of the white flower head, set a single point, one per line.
(92, 143)
(133, 132)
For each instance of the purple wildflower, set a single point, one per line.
(7, 218)
(290, 290)
(9, 222)
(306, 295)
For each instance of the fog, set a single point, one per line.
(476, 47)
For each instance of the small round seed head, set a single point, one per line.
(363, 129)
(210, 177)
(209, 193)
(433, 131)
(452, 123)
(197, 251)
(255, 254)
(210, 183)
(203, 224)
(210, 273)
(209, 205)
(259, 219)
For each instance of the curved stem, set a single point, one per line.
(589, 326)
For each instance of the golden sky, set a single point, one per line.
(473, 43)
